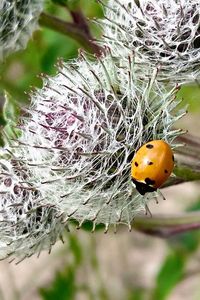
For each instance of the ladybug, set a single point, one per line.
(151, 166)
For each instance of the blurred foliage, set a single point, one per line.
(172, 270)
(2, 103)
(136, 294)
(64, 285)
(91, 8)
(169, 275)
(2, 117)
(191, 97)
(20, 69)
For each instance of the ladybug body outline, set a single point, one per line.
(151, 166)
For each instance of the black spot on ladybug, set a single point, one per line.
(149, 181)
(136, 164)
(149, 163)
(173, 157)
(166, 171)
(149, 146)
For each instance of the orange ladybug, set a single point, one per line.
(151, 166)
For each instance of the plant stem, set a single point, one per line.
(183, 174)
(167, 226)
(188, 161)
(79, 19)
(72, 30)
(191, 150)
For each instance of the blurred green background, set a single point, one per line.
(127, 266)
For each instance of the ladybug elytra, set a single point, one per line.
(151, 166)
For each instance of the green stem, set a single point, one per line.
(72, 30)
(187, 157)
(183, 174)
(166, 226)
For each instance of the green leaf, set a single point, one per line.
(169, 275)
(62, 288)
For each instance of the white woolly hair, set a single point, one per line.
(26, 225)
(158, 33)
(18, 20)
(72, 160)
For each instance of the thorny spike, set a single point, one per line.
(11, 260)
(129, 227)
(67, 227)
(106, 228)
(61, 238)
(79, 225)
(115, 228)
(72, 213)
(93, 227)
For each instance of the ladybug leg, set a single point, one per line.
(147, 212)
(161, 194)
(156, 198)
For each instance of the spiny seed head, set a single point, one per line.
(158, 33)
(18, 20)
(77, 140)
(26, 225)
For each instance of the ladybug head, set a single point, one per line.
(142, 187)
